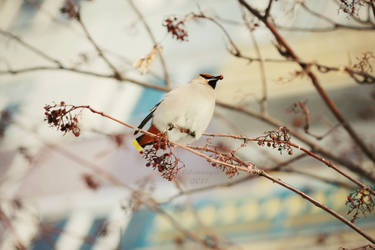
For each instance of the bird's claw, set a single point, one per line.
(182, 130)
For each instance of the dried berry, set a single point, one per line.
(60, 116)
(176, 28)
(278, 138)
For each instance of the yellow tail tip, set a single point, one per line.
(136, 145)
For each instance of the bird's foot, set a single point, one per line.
(171, 126)
(182, 130)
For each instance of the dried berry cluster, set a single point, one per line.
(90, 181)
(358, 202)
(364, 63)
(176, 28)
(230, 172)
(278, 138)
(161, 157)
(60, 116)
(145, 186)
(71, 9)
(351, 7)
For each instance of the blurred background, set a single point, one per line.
(54, 190)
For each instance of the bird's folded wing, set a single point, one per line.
(147, 118)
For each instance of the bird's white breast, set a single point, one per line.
(190, 107)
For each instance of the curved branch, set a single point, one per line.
(331, 105)
(244, 168)
(100, 52)
(30, 47)
(152, 36)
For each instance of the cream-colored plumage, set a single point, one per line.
(189, 108)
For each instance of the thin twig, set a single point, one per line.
(324, 29)
(100, 52)
(314, 147)
(263, 100)
(244, 168)
(31, 47)
(152, 36)
(84, 72)
(324, 179)
(335, 24)
(318, 204)
(8, 223)
(319, 158)
(213, 20)
(268, 9)
(145, 198)
(277, 167)
(331, 105)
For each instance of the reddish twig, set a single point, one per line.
(314, 147)
(290, 53)
(318, 204)
(8, 223)
(308, 152)
(213, 20)
(117, 74)
(30, 47)
(263, 100)
(152, 36)
(244, 168)
(301, 106)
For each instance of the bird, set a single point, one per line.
(183, 114)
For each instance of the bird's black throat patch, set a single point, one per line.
(212, 83)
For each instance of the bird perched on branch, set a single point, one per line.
(183, 114)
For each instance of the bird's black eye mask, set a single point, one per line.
(206, 76)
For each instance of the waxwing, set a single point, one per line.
(183, 114)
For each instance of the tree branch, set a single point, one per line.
(152, 36)
(331, 105)
(100, 52)
(244, 167)
(31, 47)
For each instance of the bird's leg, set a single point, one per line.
(171, 126)
(181, 129)
(192, 133)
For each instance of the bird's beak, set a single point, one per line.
(219, 77)
(213, 80)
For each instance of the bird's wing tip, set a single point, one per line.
(136, 145)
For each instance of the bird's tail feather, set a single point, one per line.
(137, 145)
(145, 139)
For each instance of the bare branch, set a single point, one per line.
(263, 100)
(331, 105)
(318, 204)
(244, 168)
(308, 152)
(31, 47)
(144, 197)
(324, 179)
(84, 72)
(301, 106)
(100, 52)
(277, 167)
(152, 36)
(335, 24)
(213, 20)
(314, 147)
(268, 9)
